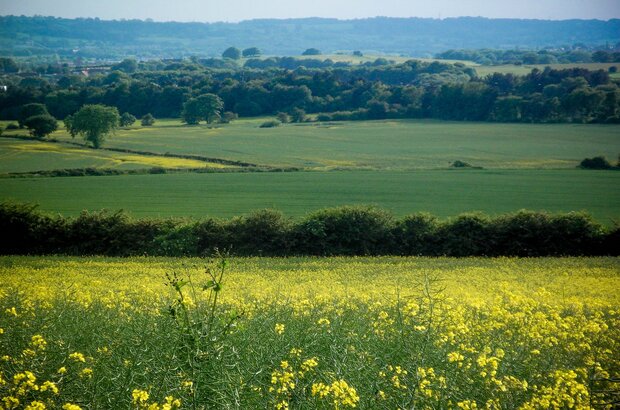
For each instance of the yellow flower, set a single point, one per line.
(69, 406)
(35, 405)
(279, 328)
(11, 311)
(38, 342)
(139, 397)
(62, 370)
(78, 357)
(87, 372)
(51, 386)
(323, 322)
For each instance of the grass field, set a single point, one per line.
(527, 68)
(376, 145)
(331, 333)
(441, 192)
(26, 156)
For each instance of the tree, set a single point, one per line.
(232, 52)
(128, 65)
(41, 126)
(228, 117)
(298, 115)
(206, 107)
(8, 65)
(283, 117)
(30, 110)
(311, 52)
(127, 120)
(251, 52)
(147, 120)
(94, 123)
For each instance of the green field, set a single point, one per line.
(400, 165)
(524, 69)
(376, 145)
(441, 192)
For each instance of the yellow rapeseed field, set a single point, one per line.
(328, 333)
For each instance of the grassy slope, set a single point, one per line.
(444, 193)
(394, 145)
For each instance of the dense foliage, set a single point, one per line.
(333, 91)
(336, 231)
(545, 56)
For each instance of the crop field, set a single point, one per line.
(374, 145)
(331, 333)
(443, 193)
(27, 156)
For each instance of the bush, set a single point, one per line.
(147, 120)
(12, 126)
(283, 117)
(264, 232)
(465, 235)
(41, 126)
(127, 120)
(415, 235)
(270, 124)
(348, 230)
(460, 164)
(595, 163)
(228, 117)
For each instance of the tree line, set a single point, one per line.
(413, 89)
(545, 56)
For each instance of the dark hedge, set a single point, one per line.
(345, 230)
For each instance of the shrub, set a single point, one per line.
(270, 124)
(283, 117)
(127, 120)
(595, 163)
(415, 234)
(147, 120)
(460, 164)
(176, 241)
(264, 232)
(41, 126)
(465, 235)
(347, 230)
(228, 117)
(12, 126)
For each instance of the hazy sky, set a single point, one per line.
(236, 10)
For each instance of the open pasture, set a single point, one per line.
(331, 333)
(525, 69)
(376, 145)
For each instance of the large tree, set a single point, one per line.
(30, 110)
(232, 52)
(94, 123)
(251, 52)
(207, 107)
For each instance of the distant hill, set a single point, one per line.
(94, 38)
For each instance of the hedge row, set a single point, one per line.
(335, 231)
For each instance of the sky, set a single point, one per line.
(238, 10)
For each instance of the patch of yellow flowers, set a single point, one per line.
(501, 333)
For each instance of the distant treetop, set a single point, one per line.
(311, 52)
